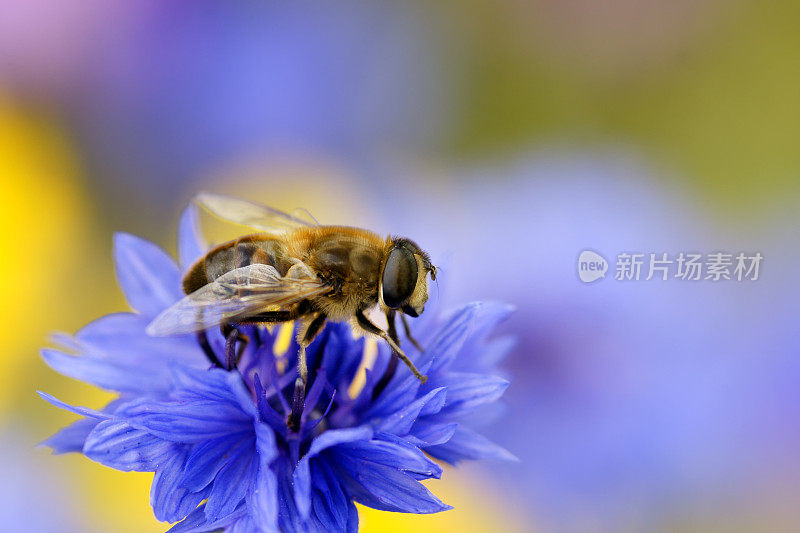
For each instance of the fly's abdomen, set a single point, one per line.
(235, 254)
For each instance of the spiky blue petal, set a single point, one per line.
(191, 246)
(148, 276)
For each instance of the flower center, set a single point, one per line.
(266, 358)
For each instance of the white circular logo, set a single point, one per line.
(591, 266)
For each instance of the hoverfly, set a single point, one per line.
(297, 270)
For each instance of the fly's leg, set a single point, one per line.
(284, 315)
(411, 339)
(304, 337)
(391, 368)
(392, 329)
(202, 339)
(270, 317)
(369, 327)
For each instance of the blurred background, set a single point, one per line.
(505, 137)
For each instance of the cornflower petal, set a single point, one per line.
(112, 374)
(384, 487)
(466, 391)
(400, 422)
(262, 500)
(122, 336)
(466, 444)
(398, 393)
(425, 434)
(71, 438)
(170, 501)
(302, 473)
(208, 457)
(191, 246)
(186, 421)
(232, 483)
(116, 444)
(196, 521)
(83, 411)
(451, 337)
(390, 450)
(148, 276)
(331, 504)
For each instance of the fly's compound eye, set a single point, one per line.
(399, 277)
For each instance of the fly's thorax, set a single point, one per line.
(341, 255)
(347, 259)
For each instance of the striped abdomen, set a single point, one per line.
(264, 249)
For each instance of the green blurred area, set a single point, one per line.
(720, 111)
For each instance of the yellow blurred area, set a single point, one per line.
(42, 234)
(121, 500)
(111, 500)
(475, 511)
(46, 284)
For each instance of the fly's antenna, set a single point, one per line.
(434, 276)
(303, 211)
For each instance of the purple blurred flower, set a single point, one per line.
(218, 441)
(178, 91)
(633, 400)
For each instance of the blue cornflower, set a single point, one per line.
(218, 441)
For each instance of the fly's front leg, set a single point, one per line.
(305, 336)
(391, 368)
(392, 329)
(369, 327)
(281, 315)
(270, 317)
(202, 339)
(267, 317)
(411, 339)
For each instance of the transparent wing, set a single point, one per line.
(240, 293)
(251, 214)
